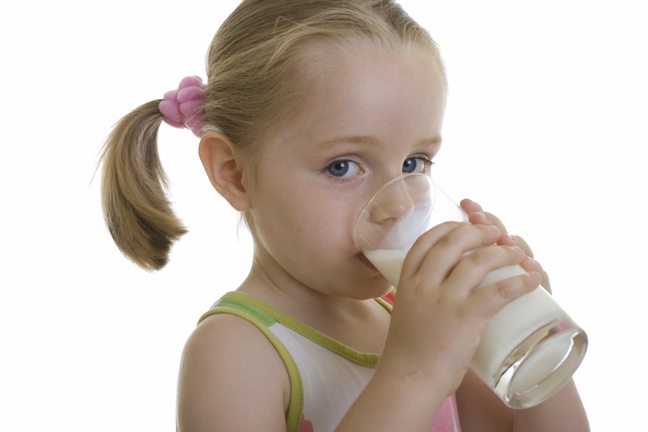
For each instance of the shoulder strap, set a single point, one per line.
(233, 303)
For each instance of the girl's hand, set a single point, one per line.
(477, 215)
(438, 318)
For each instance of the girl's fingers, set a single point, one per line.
(522, 243)
(531, 265)
(486, 302)
(470, 206)
(474, 267)
(478, 216)
(435, 254)
(486, 218)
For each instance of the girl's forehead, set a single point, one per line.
(337, 52)
(377, 94)
(371, 74)
(386, 67)
(362, 89)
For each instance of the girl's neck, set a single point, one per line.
(360, 324)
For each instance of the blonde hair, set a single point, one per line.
(257, 75)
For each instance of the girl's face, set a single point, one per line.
(372, 115)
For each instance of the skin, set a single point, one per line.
(375, 114)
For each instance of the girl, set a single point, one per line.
(309, 107)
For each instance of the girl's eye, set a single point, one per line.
(343, 169)
(417, 165)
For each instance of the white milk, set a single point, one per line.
(388, 261)
(507, 330)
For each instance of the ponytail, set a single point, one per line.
(256, 80)
(135, 206)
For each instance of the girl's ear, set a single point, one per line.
(223, 167)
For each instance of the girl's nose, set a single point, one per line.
(391, 205)
(393, 202)
(396, 215)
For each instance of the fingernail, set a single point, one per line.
(535, 277)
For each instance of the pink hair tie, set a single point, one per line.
(184, 107)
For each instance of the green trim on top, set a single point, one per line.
(252, 304)
(260, 321)
(243, 305)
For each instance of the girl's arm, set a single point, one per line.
(562, 412)
(480, 410)
(231, 379)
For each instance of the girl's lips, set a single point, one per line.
(366, 262)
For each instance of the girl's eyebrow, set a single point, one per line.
(349, 139)
(434, 141)
(433, 144)
(370, 139)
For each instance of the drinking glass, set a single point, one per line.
(530, 348)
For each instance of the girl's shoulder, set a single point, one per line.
(230, 372)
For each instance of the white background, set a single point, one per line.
(546, 126)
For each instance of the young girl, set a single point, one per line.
(309, 107)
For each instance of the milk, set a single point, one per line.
(525, 343)
(388, 261)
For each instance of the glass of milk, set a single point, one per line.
(530, 349)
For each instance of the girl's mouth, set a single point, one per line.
(366, 262)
